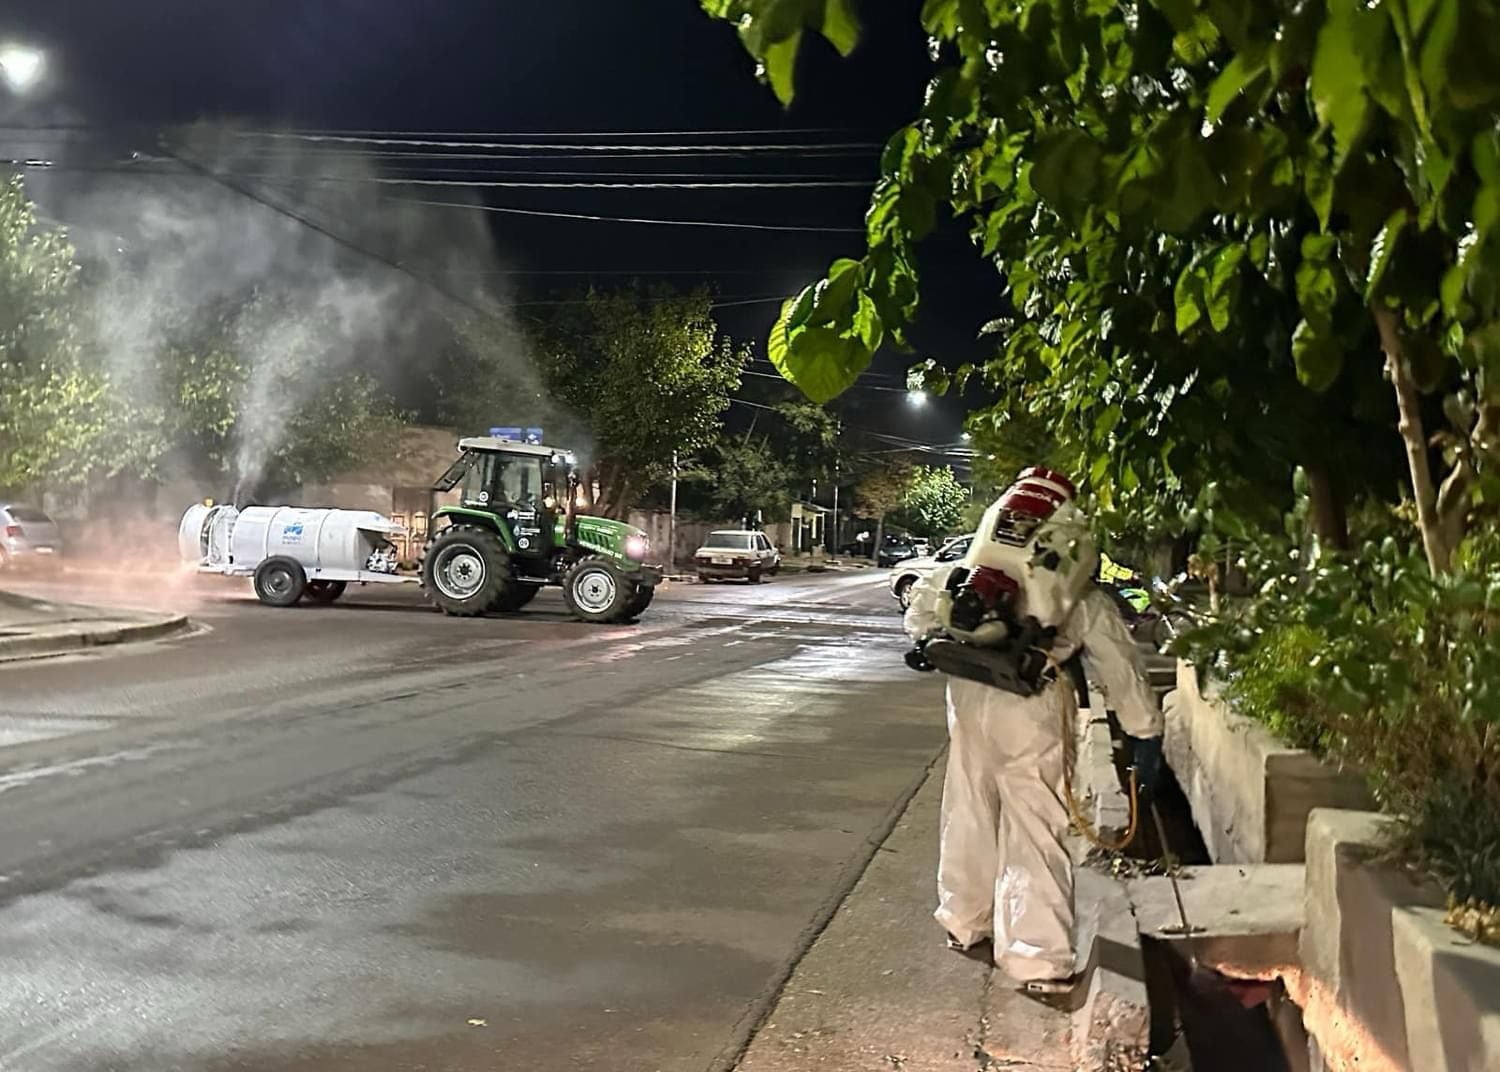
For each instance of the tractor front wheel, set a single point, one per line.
(640, 600)
(596, 592)
(466, 571)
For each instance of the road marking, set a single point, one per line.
(20, 778)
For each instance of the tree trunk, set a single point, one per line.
(1328, 518)
(1408, 406)
(879, 538)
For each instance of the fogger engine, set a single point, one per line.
(1030, 563)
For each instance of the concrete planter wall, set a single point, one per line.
(1384, 984)
(1250, 793)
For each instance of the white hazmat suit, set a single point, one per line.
(1004, 871)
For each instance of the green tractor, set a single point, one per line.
(515, 531)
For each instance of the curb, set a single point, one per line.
(14, 649)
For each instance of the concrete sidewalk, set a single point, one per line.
(35, 628)
(878, 990)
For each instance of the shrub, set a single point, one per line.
(1368, 659)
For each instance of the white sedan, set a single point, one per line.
(909, 572)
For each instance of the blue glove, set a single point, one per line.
(1145, 757)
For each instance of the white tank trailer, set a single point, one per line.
(292, 552)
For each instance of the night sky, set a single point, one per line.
(122, 69)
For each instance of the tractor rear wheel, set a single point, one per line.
(517, 596)
(640, 600)
(595, 591)
(466, 571)
(325, 591)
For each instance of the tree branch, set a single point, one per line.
(1409, 424)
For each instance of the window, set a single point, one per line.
(477, 479)
(27, 515)
(955, 550)
(762, 543)
(734, 541)
(521, 480)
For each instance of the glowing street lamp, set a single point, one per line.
(916, 398)
(21, 66)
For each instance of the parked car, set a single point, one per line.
(28, 538)
(895, 549)
(912, 570)
(736, 553)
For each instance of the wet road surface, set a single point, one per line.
(371, 837)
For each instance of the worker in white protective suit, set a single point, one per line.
(1004, 871)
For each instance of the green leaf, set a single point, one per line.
(1107, 422)
(1381, 252)
(818, 361)
(1338, 78)
(779, 62)
(940, 17)
(1318, 356)
(1065, 167)
(1232, 80)
(801, 307)
(1223, 286)
(1188, 296)
(867, 323)
(840, 25)
(918, 209)
(833, 296)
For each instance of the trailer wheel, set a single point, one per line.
(517, 596)
(466, 571)
(636, 606)
(325, 591)
(280, 581)
(595, 591)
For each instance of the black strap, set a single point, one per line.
(1074, 669)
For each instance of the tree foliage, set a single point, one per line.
(743, 477)
(54, 422)
(1219, 225)
(934, 501)
(647, 373)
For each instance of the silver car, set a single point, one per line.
(912, 570)
(28, 538)
(736, 553)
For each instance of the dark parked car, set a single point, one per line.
(895, 549)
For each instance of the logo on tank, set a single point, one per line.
(292, 533)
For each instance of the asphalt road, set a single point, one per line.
(371, 837)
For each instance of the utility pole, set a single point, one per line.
(835, 548)
(672, 521)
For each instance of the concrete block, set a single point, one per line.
(1452, 990)
(1250, 793)
(1251, 915)
(1354, 1002)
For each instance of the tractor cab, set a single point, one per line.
(531, 486)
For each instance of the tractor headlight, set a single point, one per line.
(635, 547)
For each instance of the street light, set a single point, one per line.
(21, 66)
(965, 436)
(916, 398)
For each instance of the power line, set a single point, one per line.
(644, 153)
(860, 386)
(381, 180)
(450, 143)
(743, 131)
(734, 225)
